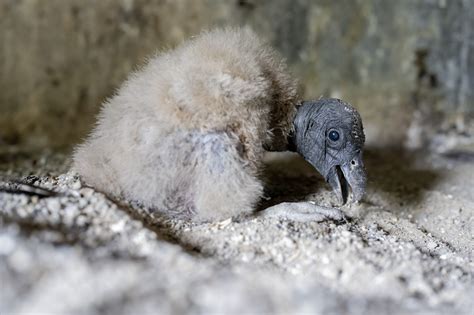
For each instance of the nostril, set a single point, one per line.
(353, 162)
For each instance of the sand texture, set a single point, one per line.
(407, 249)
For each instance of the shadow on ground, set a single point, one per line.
(401, 175)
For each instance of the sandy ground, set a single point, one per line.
(406, 249)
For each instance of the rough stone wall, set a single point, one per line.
(395, 60)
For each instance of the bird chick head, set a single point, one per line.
(329, 135)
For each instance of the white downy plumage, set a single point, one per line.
(186, 134)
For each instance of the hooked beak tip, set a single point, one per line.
(346, 180)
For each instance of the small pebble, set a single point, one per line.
(432, 245)
(76, 185)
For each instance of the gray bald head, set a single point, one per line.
(329, 135)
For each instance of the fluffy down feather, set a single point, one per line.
(185, 135)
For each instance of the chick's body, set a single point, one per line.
(186, 134)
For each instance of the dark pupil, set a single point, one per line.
(334, 135)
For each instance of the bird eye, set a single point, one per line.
(333, 135)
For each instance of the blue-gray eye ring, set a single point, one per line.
(333, 135)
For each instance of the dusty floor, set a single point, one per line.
(407, 249)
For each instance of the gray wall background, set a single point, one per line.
(400, 62)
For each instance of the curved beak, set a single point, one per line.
(346, 177)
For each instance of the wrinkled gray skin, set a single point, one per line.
(340, 162)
